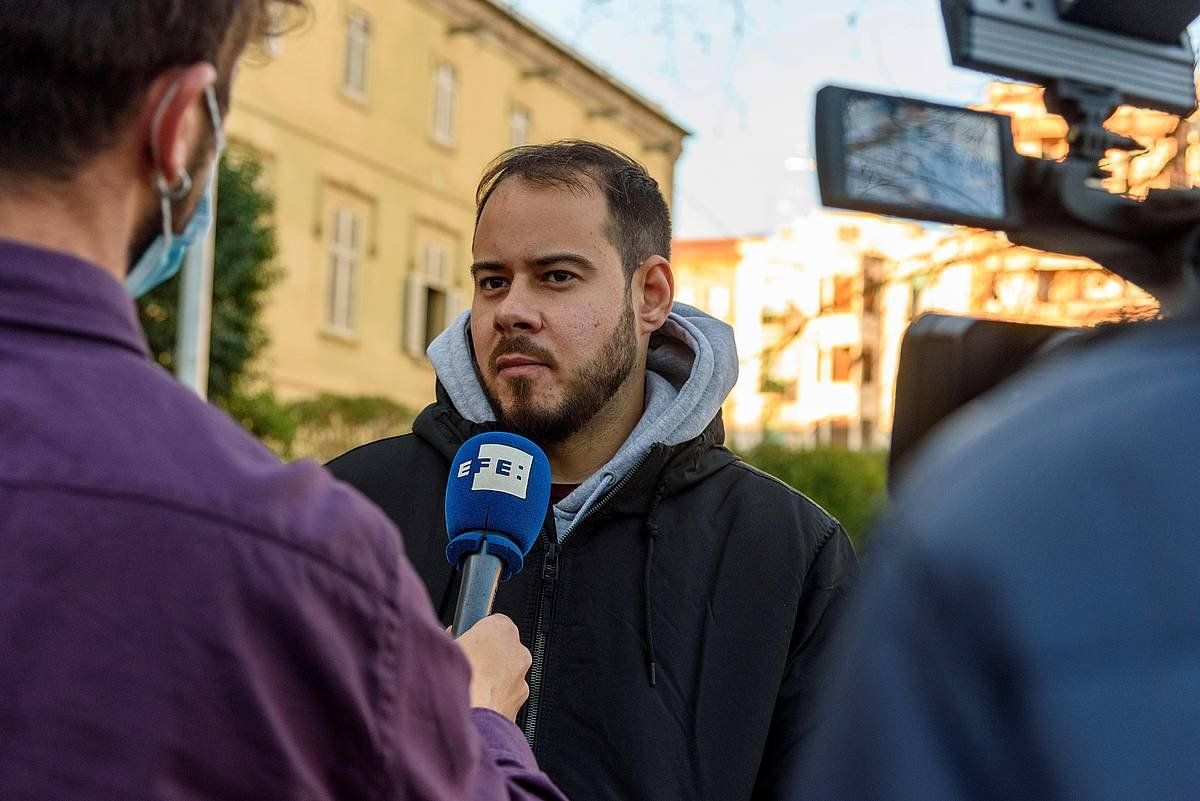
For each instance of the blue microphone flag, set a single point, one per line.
(498, 492)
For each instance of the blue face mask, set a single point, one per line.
(164, 257)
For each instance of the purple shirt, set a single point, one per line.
(182, 616)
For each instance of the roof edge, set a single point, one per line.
(566, 51)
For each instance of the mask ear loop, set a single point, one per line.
(214, 111)
(168, 195)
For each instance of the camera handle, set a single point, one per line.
(1085, 108)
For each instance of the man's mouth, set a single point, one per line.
(515, 365)
(519, 357)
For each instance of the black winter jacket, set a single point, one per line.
(679, 633)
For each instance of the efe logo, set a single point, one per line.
(499, 468)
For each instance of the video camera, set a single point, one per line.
(911, 158)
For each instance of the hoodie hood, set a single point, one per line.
(691, 366)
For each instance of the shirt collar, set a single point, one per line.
(52, 291)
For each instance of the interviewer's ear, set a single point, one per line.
(174, 119)
(653, 292)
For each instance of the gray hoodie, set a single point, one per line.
(691, 366)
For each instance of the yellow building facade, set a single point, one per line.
(374, 122)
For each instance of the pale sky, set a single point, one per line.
(741, 76)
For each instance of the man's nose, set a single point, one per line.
(518, 311)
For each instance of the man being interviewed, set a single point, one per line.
(678, 602)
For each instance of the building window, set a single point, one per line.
(837, 293)
(871, 297)
(867, 371)
(358, 54)
(345, 263)
(839, 433)
(1059, 287)
(520, 127)
(1045, 280)
(432, 301)
(872, 283)
(868, 433)
(437, 273)
(445, 96)
(842, 361)
(843, 292)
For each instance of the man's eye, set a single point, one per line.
(491, 282)
(559, 276)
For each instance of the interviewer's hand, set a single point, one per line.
(499, 663)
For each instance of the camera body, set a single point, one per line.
(911, 158)
(1144, 57)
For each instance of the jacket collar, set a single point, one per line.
(441, 425)
(675, 467)
(58, 293)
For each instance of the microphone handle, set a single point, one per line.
(481, 575)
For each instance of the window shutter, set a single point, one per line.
(414, 314)
(457, 301)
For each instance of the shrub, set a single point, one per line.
(850, 485)
(329, 425)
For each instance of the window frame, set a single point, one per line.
(841, 356)
(344, 273)
(445, 104)
(515, 113)
(356, 60)
(432, 272)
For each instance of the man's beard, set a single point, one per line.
(585, 393)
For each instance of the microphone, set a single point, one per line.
(496, 501)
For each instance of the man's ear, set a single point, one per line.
(173, 119)
(653, 294)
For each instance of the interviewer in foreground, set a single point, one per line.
(181, 616)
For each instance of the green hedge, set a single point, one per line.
(329, 425)
(850, 485)
(322, 427)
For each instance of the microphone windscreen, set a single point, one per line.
(499, 485)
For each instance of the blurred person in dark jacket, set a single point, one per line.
(678, 602)
(181, 616)
(1029, 619)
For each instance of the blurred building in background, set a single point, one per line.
(821, 306)
(374, 123)
(808, 309)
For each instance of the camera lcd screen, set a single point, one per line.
(907, 154)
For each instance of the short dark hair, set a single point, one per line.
(72, 71)
(639, 221)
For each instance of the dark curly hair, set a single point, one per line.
(74, 70)
(639, 220)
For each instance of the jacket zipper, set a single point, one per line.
(546, 604)
(545, 601)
